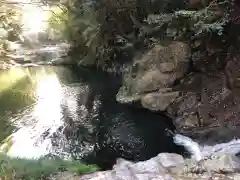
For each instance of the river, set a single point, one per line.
(72, 113)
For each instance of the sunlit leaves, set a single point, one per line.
(78, 25)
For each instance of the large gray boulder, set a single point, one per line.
(157, 69)
(167, 166)
(150, 169)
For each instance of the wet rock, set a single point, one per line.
(159, 68)
(158, 101)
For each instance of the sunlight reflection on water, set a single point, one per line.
(46, 116)
(34, 16)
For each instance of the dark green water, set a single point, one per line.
(72, 113)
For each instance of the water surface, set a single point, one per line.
(73, 113)
(32, 102)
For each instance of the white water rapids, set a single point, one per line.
(199, 152)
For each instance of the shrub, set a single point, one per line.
(102, 31)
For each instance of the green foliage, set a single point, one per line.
(16, 168)
(101, 32)
(79, 26)
(58, 22)
(197, 23)
(10, 26)
(85, 34)
(10, 17)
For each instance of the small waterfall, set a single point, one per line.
(198, 151)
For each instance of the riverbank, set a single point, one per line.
(206, 163)
(37, 169)
(8, 63)
(37, 55)
(218, 163)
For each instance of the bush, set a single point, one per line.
(100, 33)
(77, 25)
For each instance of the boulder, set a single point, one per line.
(158, 101)
(223, 163)
(167, 166)
(150, 169)
(169, 159)
(157, 69)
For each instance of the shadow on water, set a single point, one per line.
(123, 131)
(73, 113)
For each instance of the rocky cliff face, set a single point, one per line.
(194, 81)
(157, 70)
(201, 103)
